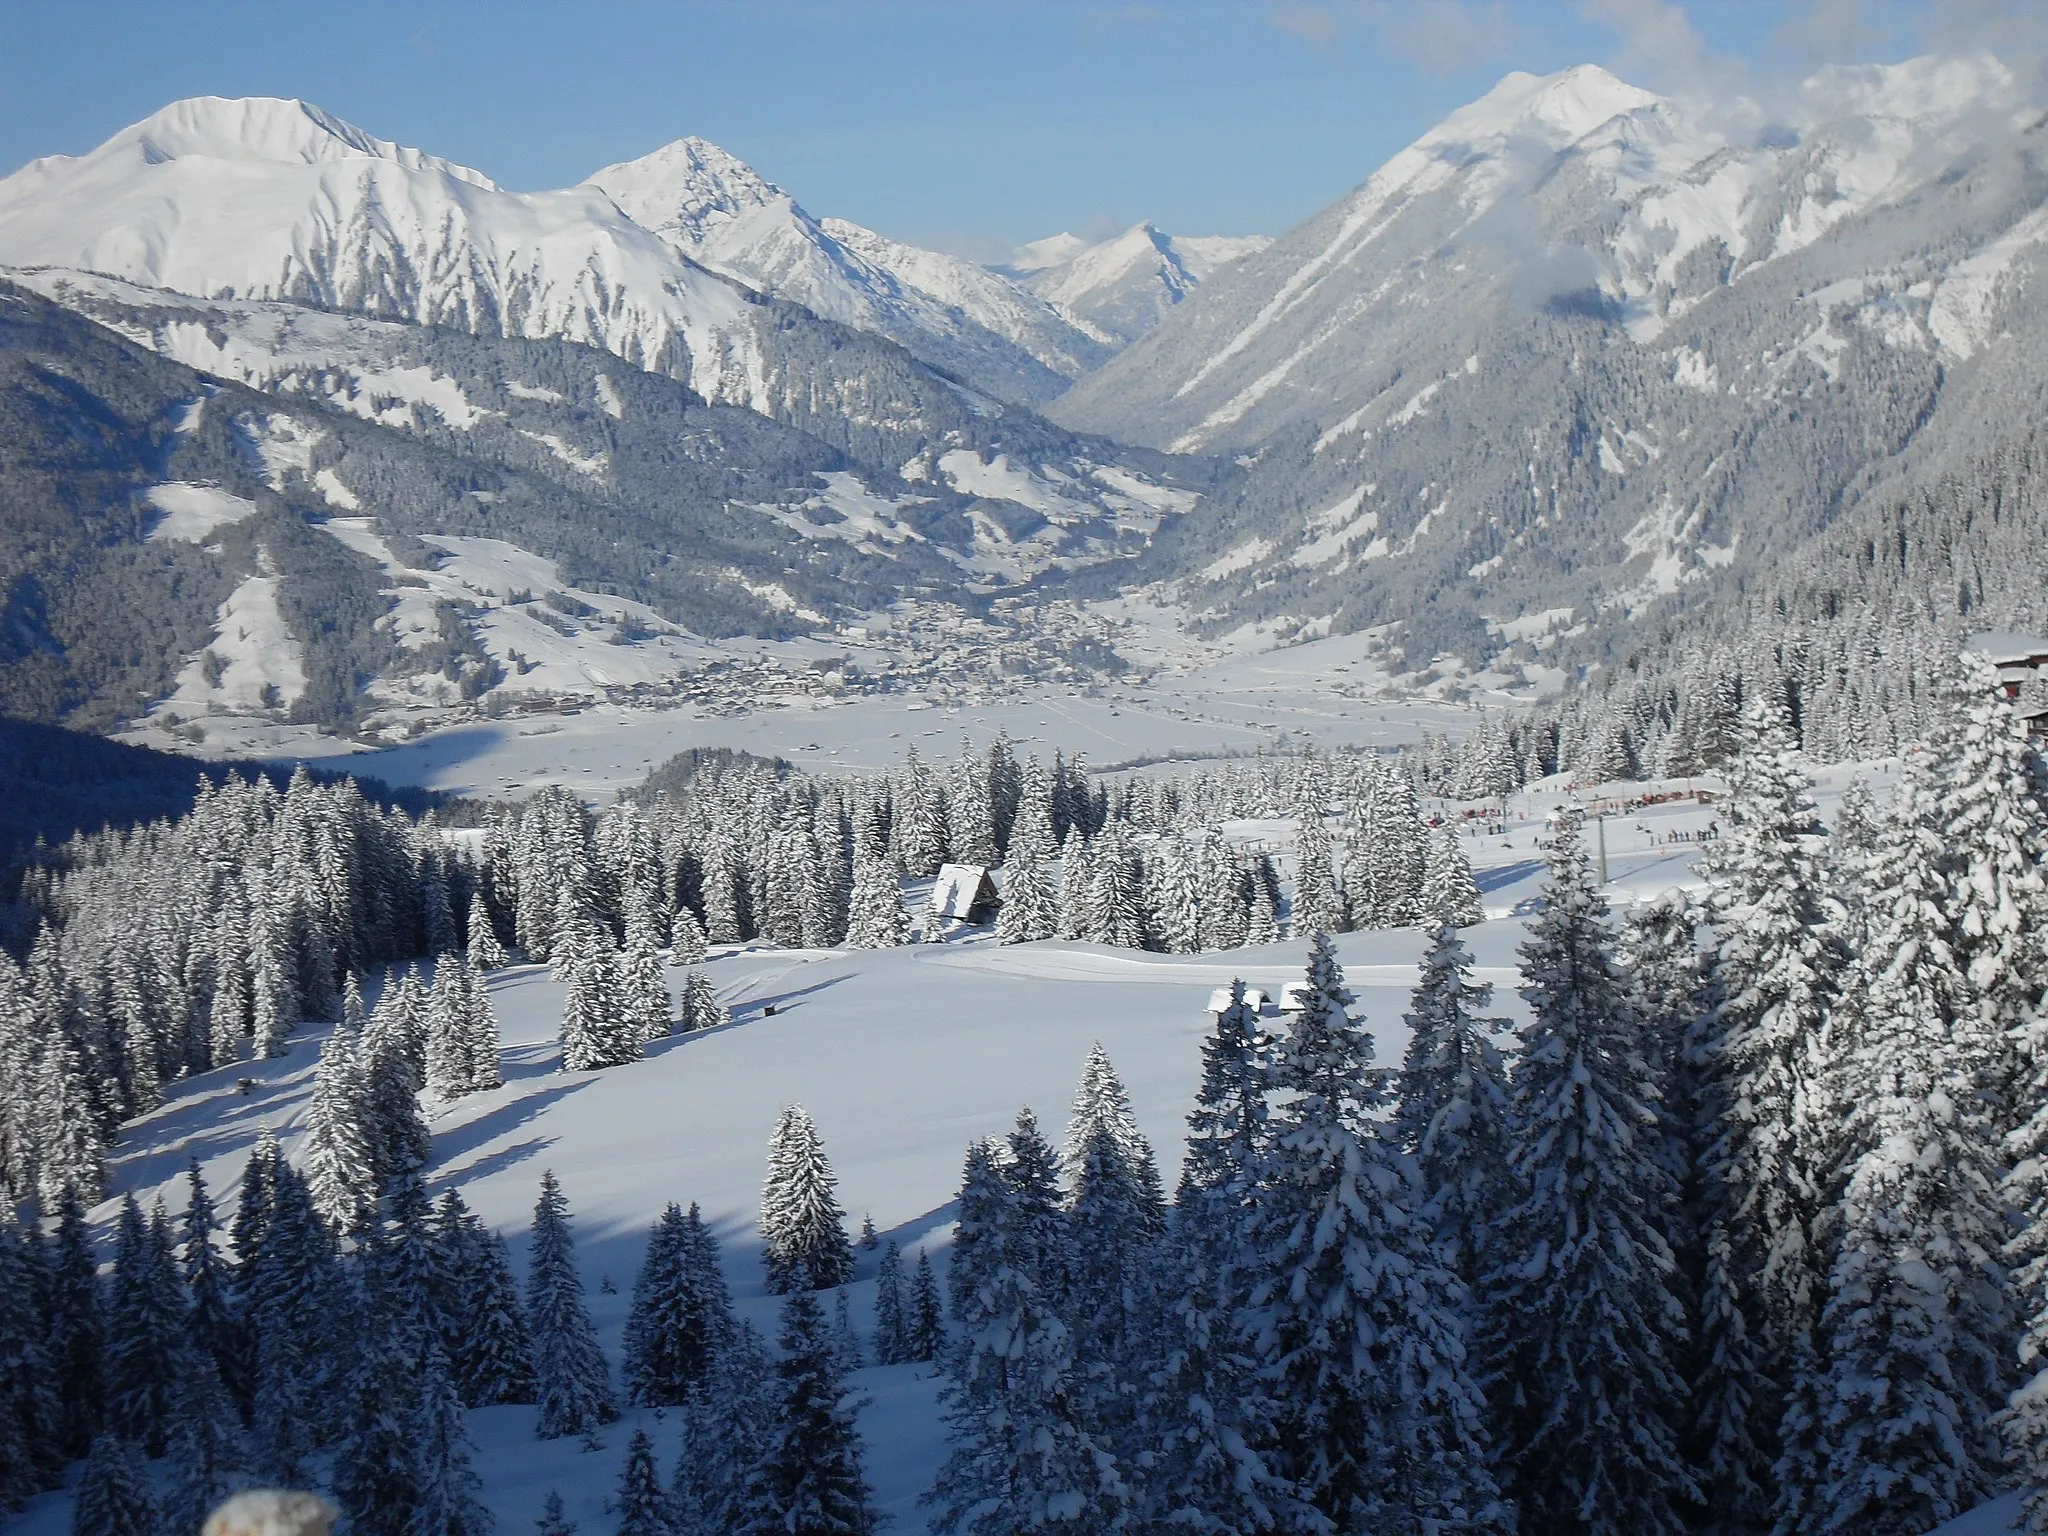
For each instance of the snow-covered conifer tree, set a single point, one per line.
(1776, 966)
(643, 991)
(1101, 1103)
(892, 1319)
(811, 1478)
(727, 1430)
(1581, 1318)
(487, 1343)
(642, 1506)
(75, 1330)
(701, 1007)
(1077, 878)
(486, 950)
(70, 1137)
(571, 1379)
(1452, 1112)
(114, 1493)
(687, 944)
(1318, 905)
(145, 1332)
(339, 1164)
(208, 1452)
(802, 1227)
(377, 1477)
(1917, 1320)
(1992, 783)
(876, 919)
(1449, 893)
(449, 1493)
(1030, 910)
(927, 1333)
(1262, 923)
(596, 1032)
(681, 1315)
(1376, 1418)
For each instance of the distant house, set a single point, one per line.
(966, 893)
(1255, 996)
(2020, 660)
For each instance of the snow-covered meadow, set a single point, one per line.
(900, 1056)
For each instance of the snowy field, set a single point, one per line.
(901, 1056)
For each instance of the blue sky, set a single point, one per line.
(968, 124)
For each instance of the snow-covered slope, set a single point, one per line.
(1127, 285)
(713, 208)
(1580, 343)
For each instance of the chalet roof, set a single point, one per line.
(959, 889)
(1220, 999)
(2003, 649)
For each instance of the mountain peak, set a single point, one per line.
(1562, 107)
(688, 188)
(260, 129)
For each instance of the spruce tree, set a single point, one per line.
(1204, 1414)
(811, 1482)
(553, 1521)
(681, 1315)
(449, 1491)
(927, 1330)
(1452, 1112)
(1021, 1455)
(212, 1326)
(294, 1309)
(701, 1007)
(641, 1504)
(487, 1343)
(1916, 1321)
(1356, 1323)
(571, 1381)
(643, 991)
(486, 952)
(377, 1477)
(1581, 1319)
(114, 1493)
(209, 1453)
(1995, 834)
(392, 1059)
(1449, 893)
(145, 1332)
(1030, 911)
(802, 1226)
(876, 919)
(892, 1320)
(687, 944)
(596, 1031)
(727, 1431)
(339, 1164)
(1763, 1058)
(31, 1416)
(75, 1330)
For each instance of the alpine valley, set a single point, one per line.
(1493, 742)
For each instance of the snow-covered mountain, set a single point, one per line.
(718, 211)
(1125, 286)
(277, 200)
(1580, 343)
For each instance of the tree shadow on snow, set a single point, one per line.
(458, 1141)
(1506, 875)
(497, 1162)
